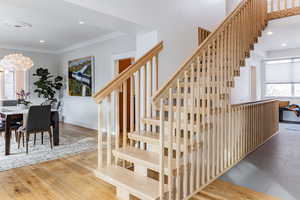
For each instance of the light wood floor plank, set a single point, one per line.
(71, 178)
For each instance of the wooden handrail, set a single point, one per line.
(255, 102)
(118, 81)
(201, 47)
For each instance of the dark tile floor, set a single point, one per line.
(274, 168)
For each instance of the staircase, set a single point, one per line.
(186, 134)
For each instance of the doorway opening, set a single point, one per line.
(122, 65)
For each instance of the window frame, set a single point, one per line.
(291, 83)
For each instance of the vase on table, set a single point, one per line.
(22, 106)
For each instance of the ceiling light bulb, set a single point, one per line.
(284, 44)
(42, 41)
(270, 33)
(81, 22)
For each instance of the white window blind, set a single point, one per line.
(282, 71)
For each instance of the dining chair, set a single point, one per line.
(38, 121)
(13, 127)
(16, 122)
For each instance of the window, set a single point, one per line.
(282, 78)
(7, 85)
(277, 90)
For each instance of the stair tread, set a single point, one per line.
(142, 157)
(146, 136)
(153, 138)
(137, 185)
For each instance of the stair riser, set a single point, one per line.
(189, 127)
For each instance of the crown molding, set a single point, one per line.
(22, 48)
(103, 38)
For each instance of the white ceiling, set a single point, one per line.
(57, 22)
(285, 30)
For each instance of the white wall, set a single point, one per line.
(145, 41)
(231, 5)
(285, 53)
(241, 93)
(83, 110)
(175, 21)
(44, 60)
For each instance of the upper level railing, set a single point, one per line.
(283, 8)
(278, 5)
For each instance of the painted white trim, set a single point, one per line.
(79, 123)
(130, 54)
(104, 38)
(20, 48)
(114, 59)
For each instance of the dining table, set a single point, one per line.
(11, 113)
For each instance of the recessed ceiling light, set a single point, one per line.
(17, 24)
(42, 41)
(270, 33)
(81, 22)
(284, 44)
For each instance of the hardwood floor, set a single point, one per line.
(71, 178)
(221, 190)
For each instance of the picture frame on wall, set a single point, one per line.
(81, 80)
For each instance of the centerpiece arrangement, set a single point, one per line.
(22, 99)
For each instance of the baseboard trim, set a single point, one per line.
(76, 123)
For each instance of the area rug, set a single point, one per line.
(40, 153)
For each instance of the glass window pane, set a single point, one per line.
(9, 86)
(278, 90)
(297, 90)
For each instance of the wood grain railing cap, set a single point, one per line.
(118, 81)
(255, 102)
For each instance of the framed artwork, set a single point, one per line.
(81, 77)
